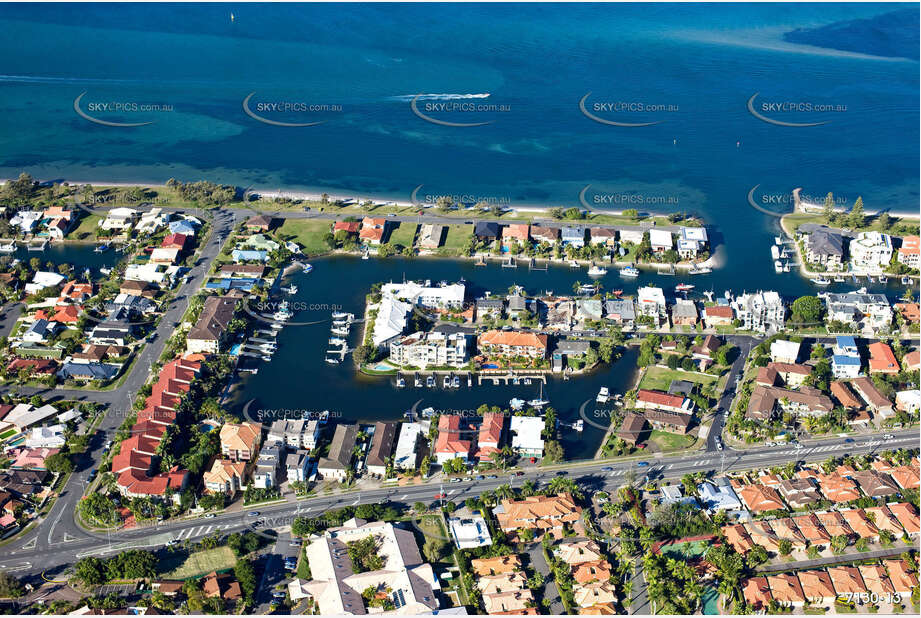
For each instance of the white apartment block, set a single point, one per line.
(870, 251)
(433, 349)
(761, 312)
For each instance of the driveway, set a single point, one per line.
(550, 592)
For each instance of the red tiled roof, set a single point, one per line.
(659, 398)
(882, 359)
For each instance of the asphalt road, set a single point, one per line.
(590, 475)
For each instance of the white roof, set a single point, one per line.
(405, 453)
(417, 293)
(70, 415)
(660, 238)
(121, 213)
(25, 414)
(650, 294)
(785, 349)
(694, 233)
(390, 320)
(48, 279)
(722, 497)
(163, 253)
(470, 531)
(526, 433)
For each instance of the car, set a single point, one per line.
(519, 473)
(253, 514)
(468, 222)
(455, 480)
(561, 472)
(210, 516)
(889, 436)
(391, 214)
(534, 460)
(278, 594)
(848, 440)
(174, 542)
(441, 496)
(642, 464)
(492, 476)
(480, 477)
(294, 544)
(719, 446)
(607, 469)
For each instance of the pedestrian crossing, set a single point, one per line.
(190, 533)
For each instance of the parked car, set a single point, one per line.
(642, 464)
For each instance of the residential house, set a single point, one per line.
(661, 241)
(875, 484)
(526, 432)
(786, 589)
(759, 499)
(825, 249)
(338, 461)
(225, 476)
(621, 312)
(650, 301)
(718, 315)
(799, 492)
(858, 309)
(573, 235)
(210, 333)
(761, 312)
(435, 348)
(540, 514)
(431, 236)
(684, 313)
(691, 242)
(632, 428)
(602, 236)
(784, 351)
(882, 359)
(876, 401)
(545, 234)
(817, 587)
(383, 443)
(239, 442)
(909, 252)
(486, 230)
(657, 400)
(296, 466)
(512, 344)
(870, 251)
(260, 223)
(846, 580)
(406, 455)
(518, 232)
(454, 438)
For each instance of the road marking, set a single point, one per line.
(209, 529)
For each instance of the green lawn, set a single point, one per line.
(455, 240)
(307, 233)
(403, 235)
(659, 378)
(793, 221)
(668, 442)
(200, 563)
(87, 228)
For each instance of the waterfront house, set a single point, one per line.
(541, 514)
(336, 587)
(909, 252)
(119, 219)
(382, 446)
(650, 301)
(647, 399)
(573, 235)
(239, 442)
(260, 242)
(431, 235)
(909, 312)
(882, 359)
(486, 230)
(249, 255)
(825, 249)
(406, 454)
(631, 235)
(718, 315)
(518, 306)
(338, 461)
(784, 351)
(762, 312)
(560, 315)
(295, 433)
(621, 312)
(425, 295)
(588, 309)
(603, 236)
(692, 241)
(348, 228)
(187, 226)
(870, 251)
(859, 310)
(489, 436)
(43, 280)
(684, 313)
(527, 440)
(225, 476)
(489, 308)
(541, 233)
(436, 348)
(454, 438)
(519, 232)
(373, 230)
(632, 428)
(391, 320)
(508, 344)
(661, 241)
(296, 466)
(155, 219)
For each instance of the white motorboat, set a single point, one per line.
(516, 404)
(603, 395)
(821, 281)
(597, 271)
(629, 271)
(337, 341)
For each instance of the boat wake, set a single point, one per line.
(438, 97)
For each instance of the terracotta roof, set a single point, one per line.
(540, 513)
(449, 439)
(816, 585)
(495, 566)
(846, 579)
(513, 338)
(718, 311)
(812, 529)
(737, 536)
(244, 436)
(906, 477)
(837, 488)
(882, 359)
(875, 578)
(350, 227)
(757, 593)
(785, 588)
(907, 516)
(883, 519)
(857, 520)
(844, 395)
(658, 398)
(759, 498)
(903, 580)
(834, 524)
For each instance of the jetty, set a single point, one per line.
(37, 245)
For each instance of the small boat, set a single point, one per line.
(340, 331)
(308, 268)
(338, 315)
(684, 287)
(629, 271)
(455, 383)
(340, 323)
(365, 256)
(428, 412)
(430, 382)
(603, 395)
(579, 425)
(906, 280)
(537, 403)
(700, 270)
(401, 382)
(883, 278)
(586, 288)
(446, 383)
(9, 247)
(291, 289)
(597, 271)
(778, 266)
(417, 382)
(839, 279)
(778, 240)
(332, 361)
(617, 292)
(775, 252)
(101, 248)
(573, 264)
(821, 281)
(337, 341)
(516, 404)
(105, 270)
(870, 279)
(786, 267)
(469, 380)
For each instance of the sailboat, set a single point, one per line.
(232, 18)
(540, 401)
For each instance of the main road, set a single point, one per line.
(592, 476)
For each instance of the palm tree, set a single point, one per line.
(504, 491)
